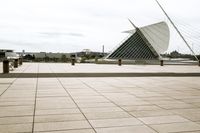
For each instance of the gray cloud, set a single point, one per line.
(15, 42)
(58, 34)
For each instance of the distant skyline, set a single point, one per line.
(74, 25)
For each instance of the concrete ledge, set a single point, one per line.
(52, 75)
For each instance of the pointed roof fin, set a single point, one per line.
(132, 23)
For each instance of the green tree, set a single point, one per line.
(63, 58)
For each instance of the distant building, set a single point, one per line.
(59, 57)
(8, 54)
(43, 56)
(88, 52)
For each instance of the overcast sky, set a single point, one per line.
(73, 25)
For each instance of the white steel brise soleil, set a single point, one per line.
(146, 40)
(177, 29)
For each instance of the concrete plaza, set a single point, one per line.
(67, 70)
(100, 104)
(101, 68)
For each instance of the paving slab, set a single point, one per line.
(106, 115)
(163, 119)
(141, 108)
(115, 122)
(16, 120)
(148, 113)
(128, 129)
(59, 118)
(72, 131)
(16, 128)
(57, 111)
(55, 126)
(101, 109)
(16, 111)
(176, 127)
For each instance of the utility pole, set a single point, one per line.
(177, 29)
(103, 50)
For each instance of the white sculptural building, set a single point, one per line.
(145, 43)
